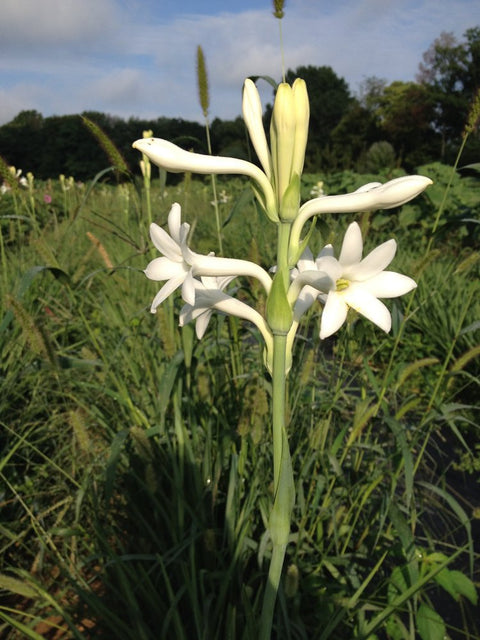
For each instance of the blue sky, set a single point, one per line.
(137, 57)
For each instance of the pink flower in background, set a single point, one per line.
(47, 198)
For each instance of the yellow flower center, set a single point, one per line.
(342, 284)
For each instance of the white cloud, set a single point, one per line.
(30, 25)
(127, 57)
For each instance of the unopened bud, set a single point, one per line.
(278, 311)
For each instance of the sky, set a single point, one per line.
(137, 58)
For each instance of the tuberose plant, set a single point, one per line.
(298, 281)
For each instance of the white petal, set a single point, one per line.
(252, 114)
(185, 315)
(164, 269)
(329, 265)
(334, 315)
(357, 297)
(326, 251)
(216, 282)
(174, 222)
(374, 263)
(164, 243)
(368, 187)
(188, 289)
(306, 298)
(317, 279)
(352, 246)
(400, 190)
(168, 288)
(306, 260)
(202, 323)
(389, 284)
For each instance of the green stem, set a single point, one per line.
(271, 590)
(214, 190)
(279, 403)
(280, 516)
(282, 250)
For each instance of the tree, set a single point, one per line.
(451, 72)
(354, 134)
(405, 112)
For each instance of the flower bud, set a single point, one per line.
(302, 117)
(278, 311)
(282, 137)
(288, 137)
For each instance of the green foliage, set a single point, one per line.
(135, 459)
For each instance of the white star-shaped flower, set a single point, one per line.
(179, 265)
(172, 266)
(359, 283)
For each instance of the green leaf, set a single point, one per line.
(110, 471)
(404, 447)
(244, 199)
(457, 510)
(396, 629)
(429, 624)
(444, 579)
(16, 624)
(20, 587)
(397, 584)
(464, 586)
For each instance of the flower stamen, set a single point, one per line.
(341, 284)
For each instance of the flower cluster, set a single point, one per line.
(340, 284)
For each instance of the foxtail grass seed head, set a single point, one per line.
(30, 181)
(33, 335)
(142, 444)
(107, 145)
(79, 426)
(278, 11)
(101, 249)
(473, 116)
(292, 580)
(202, 80)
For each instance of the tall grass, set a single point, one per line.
(135, 459)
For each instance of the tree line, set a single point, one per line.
(386, 125)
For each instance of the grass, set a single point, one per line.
(135, 460)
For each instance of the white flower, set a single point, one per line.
(359, 283)
(172, 266)
(371, 196)
(179, 264)
(207, 292)
(175, 159)
(317, 190)
(209, 295)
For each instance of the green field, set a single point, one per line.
(135, 460)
